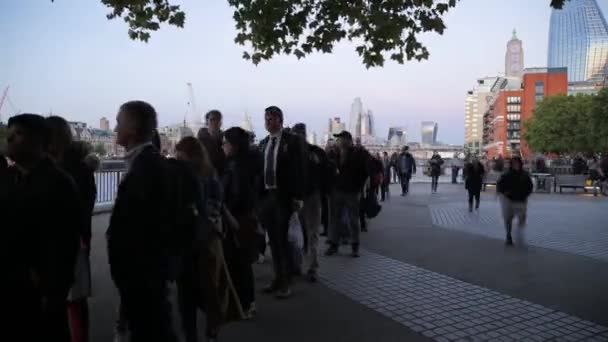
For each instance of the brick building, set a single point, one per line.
(503, 122)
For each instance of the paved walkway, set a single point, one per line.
(432, 271)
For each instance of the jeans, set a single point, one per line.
(344, 211)
(434, 182)
(310, 218)
(476, 194)
(510, 210)
(405, 182)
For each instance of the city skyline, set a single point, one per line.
(87, 73)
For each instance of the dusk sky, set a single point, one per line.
(66, 57)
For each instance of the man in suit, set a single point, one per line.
(140, 227)
(43, 214)
(282, 193)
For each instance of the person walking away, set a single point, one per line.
(211, 138)
(282, 194)
(70, 156)
(318, 180)
(474, 179)
(242, 173)
(352, 172)
(205, 281)
(456, 165)
(331, 153)
(515, 186)
(499, 164)
(395, 168)
(407, 168)
(140, 228)
(45, 214)
(386, 179)
(435, 164)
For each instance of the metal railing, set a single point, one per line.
(107, 185)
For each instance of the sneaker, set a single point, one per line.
(333, 249)
(272, 287)
(283, 293)
(252, 312)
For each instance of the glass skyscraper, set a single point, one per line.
(429, 132)
(578, 40)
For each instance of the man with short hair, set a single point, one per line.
(140, 228)
(317, 182)
(44, 215)
(282, 193)
(352, 172)
(211, 138)
(515, 186)
(406, 166)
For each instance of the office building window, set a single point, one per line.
(539, 91)
(514, 108)
(513, 100)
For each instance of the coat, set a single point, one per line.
(290, 166)
(515, 185)
(474, 173)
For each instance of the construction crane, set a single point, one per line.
(195, 116)
(4, 95)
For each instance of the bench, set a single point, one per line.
(570, 182)
(490, 179)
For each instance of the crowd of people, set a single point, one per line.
(195, 223)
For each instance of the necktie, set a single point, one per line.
(270, 174)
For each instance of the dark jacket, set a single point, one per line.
(435, 163)
(515, 185)
(140, 225)
(44, 220)
(290, 166)
(320, 172)
(214, 148)
(83, 175)
(352, 170)
(474, 176)
(240, 184)
(406, 163)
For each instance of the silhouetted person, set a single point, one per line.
(317, 182)
(282, 193)
(474, 172)
(211, 138)
(435, 164)
(352, 172)
(515, 185)
(386, 176)
(141, 226)
(499, 164)
(406, 166)
(44, 215)
(71, 157)
(240, 182)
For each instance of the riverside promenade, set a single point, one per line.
(430, 270)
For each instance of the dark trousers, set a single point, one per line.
(55, 323)
(405, 183)
(474, 193)
(325, 212)
(146, 305)
(274, 216)
(434, 182)
(455, 175)
(395, 175)
(188, 298)
(238, 260)
(385, 190)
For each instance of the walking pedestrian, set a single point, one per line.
(515, 186)
(141, 227)
(282, 193)
(205, 281)
(71, 156)
(45, 214)
(406, 168)
(435, 164)
(395, 168)
(211, 138)
(386, 179)
(475, 172)
(352, 172)
(318, 180)
(243, 171)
